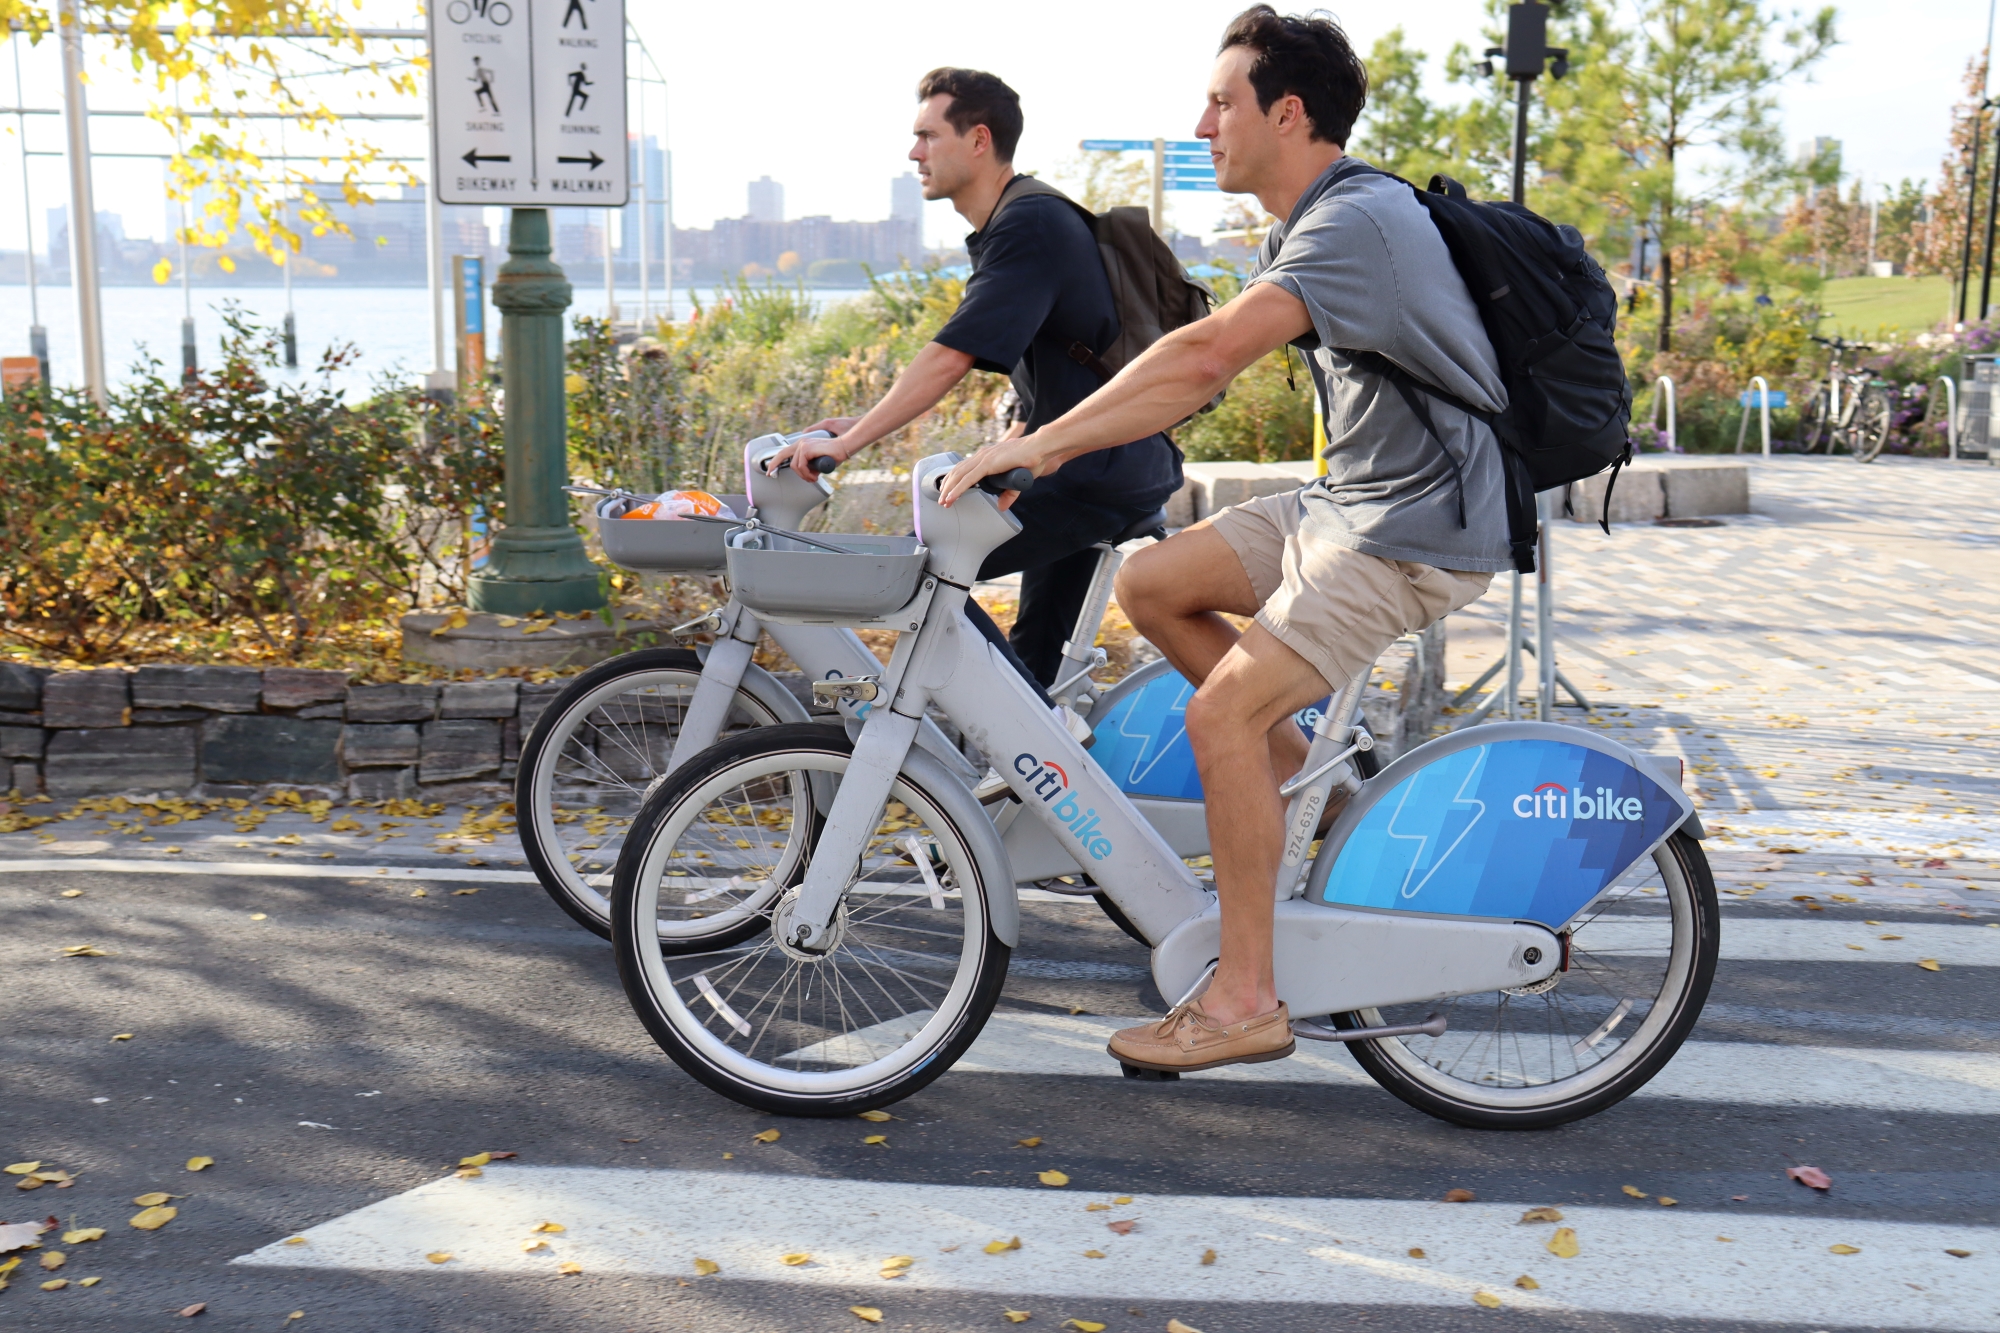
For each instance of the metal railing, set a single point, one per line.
(1763, 392)
(1663, 391)
(1950, 415)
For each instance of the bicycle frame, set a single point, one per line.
(1333, 955)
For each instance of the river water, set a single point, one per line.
(388, 325)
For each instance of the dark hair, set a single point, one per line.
(977, 98)
(1308, 57)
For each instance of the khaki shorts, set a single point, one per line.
(1332, 605)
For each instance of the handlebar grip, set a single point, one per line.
(824, 464)
(1018, 479)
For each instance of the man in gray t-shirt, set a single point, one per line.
(1406, 527)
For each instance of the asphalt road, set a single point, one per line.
(353, 1042)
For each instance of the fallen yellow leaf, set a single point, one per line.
(1486, 1299)
(53, 1259)
(23, 1168)
(438, 1257)
(1122, 1199)
(533, 1244)
(149, 1200)
(1417, 1252)
(200, 1163)
(55, 1284)
(881, 1140)
(296, 1314)
(477, 1159)
(84, 1234)
(1053, 1179)
(1563, 1244)
(1083, 1325)
(1634, 1191)
(297, 1240)
(468, 1173)
(569, 1268)
(1208, 1256)
(1034, 1142)
(707, 1267)
(72, 893)
(1959, 1254)
(899, 1261)
(89, 1281)
(766, 1136)
(1665, 1202)
(1542, 1215)
(1727, 1240)
(1929, 965)
(1094, 1254)
(794, 1260)
(121, 1036)
(152, 1219)
(1017, 1316)
(877, 1116)
(553, 1228)
(1097, 1208)
(1526, 1283)
(1176, 1326)
(1001, 1246)
(1844, 1249)
(868, 1314)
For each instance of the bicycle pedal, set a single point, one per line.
(1149, 1075)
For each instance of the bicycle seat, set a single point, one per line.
(1153, 525)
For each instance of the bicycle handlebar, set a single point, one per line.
(1015, 479)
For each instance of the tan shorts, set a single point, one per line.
(1332, 605)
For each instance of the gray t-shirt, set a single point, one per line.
(1368, 263)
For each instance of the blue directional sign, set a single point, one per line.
(1142, 146)
(1185, 164)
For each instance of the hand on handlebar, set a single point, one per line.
(801, 454)
(994, 461)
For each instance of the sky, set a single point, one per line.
(820, 97)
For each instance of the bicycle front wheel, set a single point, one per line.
(915, 967)
(1816, 425)
(1874, 418)
(1640, 961)
(595, 752)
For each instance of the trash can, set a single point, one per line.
(1975, 406)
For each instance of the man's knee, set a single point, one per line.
(1190, 572)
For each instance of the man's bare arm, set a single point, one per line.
(1166, 384)
(928, 378)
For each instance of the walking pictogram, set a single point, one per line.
(578, 98)
(482, 79)
(575, 11)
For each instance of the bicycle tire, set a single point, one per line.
(875, 1063)
(550, 745)
(1413, 1070)
(1815, 426)
(1874, 418)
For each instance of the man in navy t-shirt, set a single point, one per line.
(1037, 291)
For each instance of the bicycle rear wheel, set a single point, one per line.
(915, 968)
(1816, 424)
(594, 753)
(1640, 961)
(1874, 418)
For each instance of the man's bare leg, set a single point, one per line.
(1258, 684)
(1174, 592)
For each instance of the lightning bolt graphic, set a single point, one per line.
(1162, 722)
(1422, 839)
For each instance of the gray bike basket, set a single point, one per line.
(871, 576)
(684, 545)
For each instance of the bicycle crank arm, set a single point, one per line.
(1311, 1031)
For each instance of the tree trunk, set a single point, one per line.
(1666, 298)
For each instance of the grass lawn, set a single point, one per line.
(1859, 307)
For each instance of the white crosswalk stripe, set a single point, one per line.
(1642, 1259)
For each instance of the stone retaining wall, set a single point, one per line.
(209, 728)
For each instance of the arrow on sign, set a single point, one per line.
(594, 160)
(475, 157)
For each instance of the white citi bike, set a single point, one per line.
(1513, 926)
(617, 729)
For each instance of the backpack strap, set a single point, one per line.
(1413, 392)
(1081, 354)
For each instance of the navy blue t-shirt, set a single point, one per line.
(1037, 286)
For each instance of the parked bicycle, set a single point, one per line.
(1854, 410)
(1513, 926)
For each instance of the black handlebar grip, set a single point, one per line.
(1018, 479)
(824, 464)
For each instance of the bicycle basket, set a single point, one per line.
(686, 546)
(780, 577)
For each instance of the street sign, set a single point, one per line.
(528, 102)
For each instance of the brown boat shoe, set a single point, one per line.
(1187, 1039)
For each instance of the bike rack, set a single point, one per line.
(1764, 403)
(1950, 415)
(1664, 387)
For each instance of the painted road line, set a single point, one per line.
(1739, 1073)
(1640, 1259)
(1747, 940)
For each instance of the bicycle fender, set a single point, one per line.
(1521, 821)
(1003, 901)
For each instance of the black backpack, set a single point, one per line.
(1549, 312)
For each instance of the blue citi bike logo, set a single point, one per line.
(1552, 800)
(1049, 782)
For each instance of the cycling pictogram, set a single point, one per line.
(495, 12)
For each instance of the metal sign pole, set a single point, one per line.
(38, 337)
(82, 205)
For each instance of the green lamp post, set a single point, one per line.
(538, 562)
